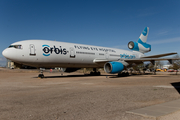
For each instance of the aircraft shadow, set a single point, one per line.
(176, 85)
(66, 76)
(88, 75)
(116, 76)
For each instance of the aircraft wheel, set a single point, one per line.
(91, 73)
(95, 73)
(98, 73)
(119, 74)
(40, 76)
(127, 74)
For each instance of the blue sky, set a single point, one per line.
(109, 23)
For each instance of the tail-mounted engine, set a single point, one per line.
(139, 46)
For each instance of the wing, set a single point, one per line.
(140, 60)
(134, 60)
(153, 58)
(150, 59)
(160, 55)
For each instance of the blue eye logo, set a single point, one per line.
(46, 50)
(49, 50)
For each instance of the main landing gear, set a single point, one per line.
(41, 75)
(95, 73)
(123, 74)
(154, 70)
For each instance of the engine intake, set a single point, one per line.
(139, 46)
(113, 67)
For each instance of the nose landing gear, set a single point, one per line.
(41, 75)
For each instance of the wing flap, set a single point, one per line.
(104, 60)
(100, 60)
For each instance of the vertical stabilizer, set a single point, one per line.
(144, 35)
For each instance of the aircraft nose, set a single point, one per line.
(5, 53)
(11, 54)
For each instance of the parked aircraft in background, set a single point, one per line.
(72, 56)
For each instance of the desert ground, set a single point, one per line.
(75, 96)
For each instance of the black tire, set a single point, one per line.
(40, 76)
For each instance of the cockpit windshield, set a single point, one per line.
(15, 46)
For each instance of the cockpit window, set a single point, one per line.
(15, 46)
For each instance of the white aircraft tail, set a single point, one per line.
(141, 44)
(144, 35)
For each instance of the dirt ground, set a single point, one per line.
(75, 96)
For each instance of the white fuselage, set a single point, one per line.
(44, 53)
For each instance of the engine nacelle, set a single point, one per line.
(69, 70)
(113, 67)
(139, 46)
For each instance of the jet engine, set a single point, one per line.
(139, 46)
(113, 67)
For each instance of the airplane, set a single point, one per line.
(72, 56)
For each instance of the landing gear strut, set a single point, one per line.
(95, 73)
(41, 75)
(153, 62)
(154, 71)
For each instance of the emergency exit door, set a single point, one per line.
(107, 55)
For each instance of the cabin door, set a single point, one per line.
(72, 53)
(32, 50)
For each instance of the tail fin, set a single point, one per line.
(144, 35)
(141, 44)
